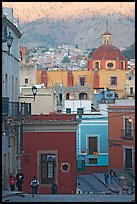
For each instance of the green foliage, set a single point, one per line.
(66, 59)
(90, 54)
(76, 46)
(129, 53)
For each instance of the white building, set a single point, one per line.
(11, 123)
(10, 61)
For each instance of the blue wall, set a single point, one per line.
(93, 125)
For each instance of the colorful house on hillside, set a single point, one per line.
(92, 144)
(49, 144)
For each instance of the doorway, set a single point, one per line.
(128, 159)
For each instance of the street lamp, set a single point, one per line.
(9, 41)
(130, 120)
(34, 91)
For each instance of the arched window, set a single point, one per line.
(67, 96)
(83, 96)
(121, 65)
(97, 65)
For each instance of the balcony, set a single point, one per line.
(127, 134)
(5, 106)
(107, 101)
(15, 109)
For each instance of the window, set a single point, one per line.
(92, 160)
(121, 65)
(26, 81)
(82, 81)
(80, 111)
(110, 65)
(92, 145)
(97, 65)
(68, 110)
(4, 32)
(6, 83)
(109, 95)
(128, 128)
(67, 96)
(47, 168)
(131, 90)
(113, 81)
(59, 100)
(83, 96)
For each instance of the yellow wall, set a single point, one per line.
(57, 77)
(104, 78)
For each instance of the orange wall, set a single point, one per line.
(116, 153)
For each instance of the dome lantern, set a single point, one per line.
(107, 36)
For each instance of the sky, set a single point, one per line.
(29, 11)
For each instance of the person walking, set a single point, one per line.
(54, 188)
(12, 182)
(106, 176)
(19, 180)
(112, 176)
(34, 185)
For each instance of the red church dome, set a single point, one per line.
(107, 52)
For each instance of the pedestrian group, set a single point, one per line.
(16, 181)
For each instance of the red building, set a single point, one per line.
(121, 136)
(49, 143)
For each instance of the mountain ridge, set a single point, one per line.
(81, 23)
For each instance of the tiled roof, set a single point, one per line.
(107, 52)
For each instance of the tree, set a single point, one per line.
(76, 46)
(66, 59)
(129, 53)
(90, 54)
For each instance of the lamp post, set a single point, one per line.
(34, 91)
(9, 42)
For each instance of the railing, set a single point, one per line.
(107, 101)
(15, 109)
(127, 134)
(5, 106)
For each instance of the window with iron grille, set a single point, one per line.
(92, 144)
(47, 168)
